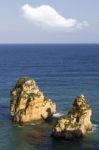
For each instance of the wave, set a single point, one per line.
(94, 127)
(19, 126)
(58, 115)
(33, 124)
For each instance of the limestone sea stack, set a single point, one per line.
(77, 123)
(28, 104)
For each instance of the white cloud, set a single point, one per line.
(46, 15)
(82, 24)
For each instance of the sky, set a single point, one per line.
(49, 21)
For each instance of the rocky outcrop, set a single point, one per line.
(28, 103)
(77, 122)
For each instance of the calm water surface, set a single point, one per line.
(62, 72)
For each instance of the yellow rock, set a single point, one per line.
(28, 103)
(77, 123)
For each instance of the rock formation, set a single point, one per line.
(77, 122)
(28, 103)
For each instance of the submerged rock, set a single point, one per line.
(28, 103)
(77, 122)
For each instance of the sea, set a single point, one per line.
(62, 72)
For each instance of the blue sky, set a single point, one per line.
(49, 21)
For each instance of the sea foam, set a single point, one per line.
(94, 127)
(58, 115)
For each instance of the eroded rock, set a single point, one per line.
(77, 123)
(28, 103)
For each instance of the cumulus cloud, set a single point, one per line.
(46, 15)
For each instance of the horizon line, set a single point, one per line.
(30, 43)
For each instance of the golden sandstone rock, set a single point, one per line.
(28, 103)
(77, 122)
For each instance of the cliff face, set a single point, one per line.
(77, 122)
(28, 103)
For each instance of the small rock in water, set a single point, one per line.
(77, 123)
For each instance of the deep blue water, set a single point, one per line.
(62, 72)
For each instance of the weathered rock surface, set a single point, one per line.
(77, 122)
(28, 103)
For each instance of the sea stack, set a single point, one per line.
(77, 123)
(28, 104)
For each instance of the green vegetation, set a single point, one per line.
(22, 111)
(72, 120)
(73, 111)
(21, 81)
(45, 98)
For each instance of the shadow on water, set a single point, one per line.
(39, 138)
(49, 143)
(75, 145)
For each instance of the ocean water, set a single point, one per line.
(62, 72)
